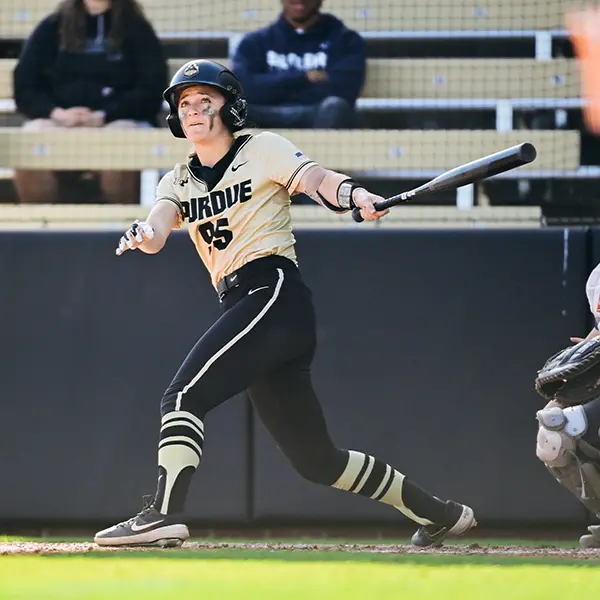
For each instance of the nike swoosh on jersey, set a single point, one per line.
(264, 287)
(135, 527)
(236, 167)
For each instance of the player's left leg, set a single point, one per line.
(121, 187)
(334, 112)
(289, 408)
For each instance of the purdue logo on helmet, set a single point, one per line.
(234, 111)
(191, 70)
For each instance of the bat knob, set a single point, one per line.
(356, 215)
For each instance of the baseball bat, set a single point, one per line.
(482, 168)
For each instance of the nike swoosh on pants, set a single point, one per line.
(264, 287)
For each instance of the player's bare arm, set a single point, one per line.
(340, 191)
(151, 235)
(592, 334)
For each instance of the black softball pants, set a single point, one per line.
(264, 342)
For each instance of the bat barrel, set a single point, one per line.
(482, 168)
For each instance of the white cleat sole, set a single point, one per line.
(169, 536)
(464, 523)
(591, 540)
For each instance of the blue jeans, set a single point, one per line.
(331, 113)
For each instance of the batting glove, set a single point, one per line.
(137, 234)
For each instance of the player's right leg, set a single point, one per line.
(568, 443)
(253, 335)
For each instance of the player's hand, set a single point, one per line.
(136, 235)
(94, 119)
(316, 75)
(366, 201)
(70, 117)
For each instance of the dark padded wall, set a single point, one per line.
(429, 344)
(89, 342)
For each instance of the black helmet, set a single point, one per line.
(233, 113)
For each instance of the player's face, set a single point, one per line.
(97, 7)
(300, 11)
(198, 110)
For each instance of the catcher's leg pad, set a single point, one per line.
(560, 448)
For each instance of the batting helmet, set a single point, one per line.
(234, 111)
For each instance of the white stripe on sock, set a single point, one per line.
(355, 463)
(180, 438)
(384, 481)
(183, 414)
(362, 482)
(175, 423)
(394, 497)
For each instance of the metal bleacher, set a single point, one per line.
(498, 84)
(540, 81)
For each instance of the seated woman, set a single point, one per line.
(91, 63)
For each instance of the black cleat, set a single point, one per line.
(428, 536)
(147, 528)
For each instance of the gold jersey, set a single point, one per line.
(246, 215)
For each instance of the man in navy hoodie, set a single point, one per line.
(305, 70)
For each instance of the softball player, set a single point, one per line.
(234, 197)
(568, 439)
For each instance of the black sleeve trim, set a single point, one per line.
(291, 179)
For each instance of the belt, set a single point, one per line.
(250, 270)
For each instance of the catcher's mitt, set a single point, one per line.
(572, 376)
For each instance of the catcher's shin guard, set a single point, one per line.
(567, 457)
(583, 480)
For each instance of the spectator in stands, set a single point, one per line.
(304, 70)
(91, 63)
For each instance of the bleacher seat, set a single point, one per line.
(442, 78)
(19, 17)
(349, 150)
(464, 84)
(393, 84)
(436, 78)
(181, 18)
(366, 15)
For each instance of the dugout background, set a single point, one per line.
(428, 363)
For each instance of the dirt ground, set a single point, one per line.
(42, 548)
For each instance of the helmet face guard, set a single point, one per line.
(233, 113)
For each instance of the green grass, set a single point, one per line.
(295, 575)
(255, 575)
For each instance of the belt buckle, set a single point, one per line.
(232, 280)
(229, 281)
